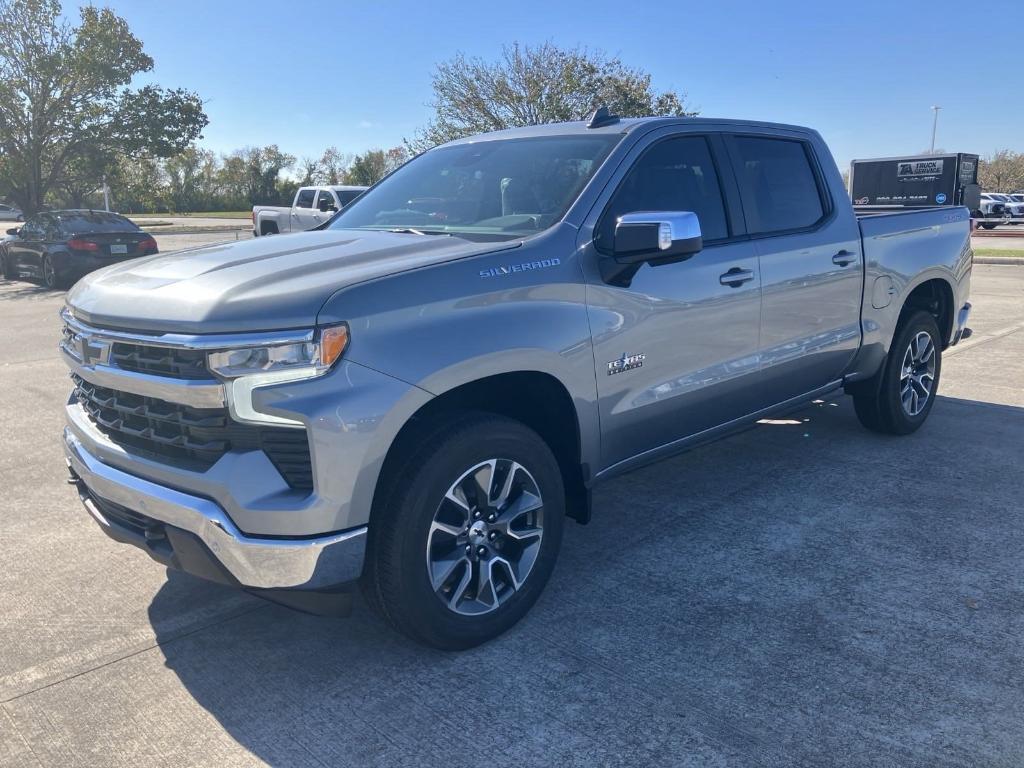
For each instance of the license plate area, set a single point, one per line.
(116, 249)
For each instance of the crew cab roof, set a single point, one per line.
(622, 125)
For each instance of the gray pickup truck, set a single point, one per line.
(415, 396)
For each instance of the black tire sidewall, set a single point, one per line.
(891, 405)
(405, 591)
(55, 282)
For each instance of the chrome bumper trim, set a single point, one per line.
(311, 563)
(198, 394)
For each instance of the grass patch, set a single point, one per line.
(1013, 253)
(196, 215)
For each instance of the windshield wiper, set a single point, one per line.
(412, 231)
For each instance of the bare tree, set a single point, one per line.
(310, 171)
(1002, 171)
(334, 164)
(533, 85)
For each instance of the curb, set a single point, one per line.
(1004, 260)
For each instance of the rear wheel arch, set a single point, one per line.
(534, 398)
(935, 296)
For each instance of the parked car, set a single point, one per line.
(311, 207)
(994, 210)
(1015, 208)
(414, 397)
(10, 213)
(58, 247)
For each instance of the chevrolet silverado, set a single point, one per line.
(415, 396)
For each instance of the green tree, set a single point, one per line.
(65, 102)
(191, 180)
(530, 85)
(372, 166)
(252, 176)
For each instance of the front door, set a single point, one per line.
(302, 211)
(675, 349)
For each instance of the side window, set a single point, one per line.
(325, 200)
(305, 198)
(675, 174)
(31, 230)
(346, 196)
(780, 190)
(50, 228)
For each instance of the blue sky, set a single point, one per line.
(357, 74)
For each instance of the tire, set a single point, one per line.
(989, 225)
(896, 402)
(423, 571)
(51, 279)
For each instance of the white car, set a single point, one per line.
(10, 213)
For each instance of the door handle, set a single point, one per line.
(843, 258)
(736, 277)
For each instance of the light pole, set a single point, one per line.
(935, 125)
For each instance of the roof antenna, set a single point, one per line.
(602, 117)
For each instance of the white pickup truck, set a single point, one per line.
(311, 207)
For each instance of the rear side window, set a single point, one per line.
(93, 221)
(673, 175)
(305, 198)
(778, 183)
(346, 196)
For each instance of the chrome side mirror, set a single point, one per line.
(656, 236)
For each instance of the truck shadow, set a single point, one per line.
(776, 596)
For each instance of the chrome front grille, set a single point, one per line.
(160, 361)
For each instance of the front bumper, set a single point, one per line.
(168, 523)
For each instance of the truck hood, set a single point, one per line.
(268, 283)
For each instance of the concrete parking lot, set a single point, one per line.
(805, 593)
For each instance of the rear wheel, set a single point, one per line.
(51, 279)
(468, 536)
(899, 399)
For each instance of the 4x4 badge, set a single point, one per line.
(626, 363)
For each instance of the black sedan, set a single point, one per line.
(58, 247)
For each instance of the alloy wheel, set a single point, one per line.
(917, 377)
(49, 276)
(485, 537)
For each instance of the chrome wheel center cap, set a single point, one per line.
(478, 532)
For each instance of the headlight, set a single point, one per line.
(248, 368)
(311, 358)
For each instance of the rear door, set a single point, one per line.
(809, 254)
(676, 348)
(302, 212)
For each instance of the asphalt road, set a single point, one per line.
(805, 593)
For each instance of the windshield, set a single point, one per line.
(491, 189)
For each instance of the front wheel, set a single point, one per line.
(10, 273)
(899, 399)
(468, 536)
